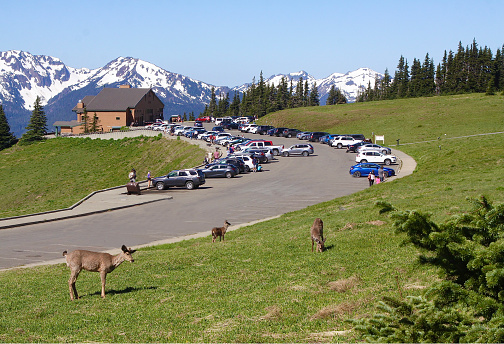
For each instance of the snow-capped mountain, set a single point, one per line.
(349, 84)
(24, 76)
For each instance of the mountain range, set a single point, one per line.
(24, 76)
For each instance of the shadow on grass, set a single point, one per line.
(123, 291)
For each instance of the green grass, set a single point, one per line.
(263, 284)
(56, 173)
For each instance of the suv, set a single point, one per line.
(316, 135)
(189, 178)
(263, 129)
(290, 132)
(343, 141)
(303, 149)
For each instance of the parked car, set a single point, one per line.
(246, 158)
(303, 135)
(218, 128)
(343, 141)
(219, 170)
(353, 147)
(204, 119)
(277, 132)
(264, 155)
(270, 131)
(236, 162)
(303, 149)
(188, 178)
(316, 135)
(326, 139)
(363, 170)
(198, 124)
(263, 129)
(375, 147)
(230, 125)
(376, 157)
(290, 132)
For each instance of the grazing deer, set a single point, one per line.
(317, 235)
(94, 261)
(220, 231)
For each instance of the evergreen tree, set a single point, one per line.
(85, 121)
(36, 129)
(331, 96)
(7, 139)
(212, 107)
(314, 96)
(95, 124)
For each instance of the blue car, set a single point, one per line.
(363, 170)
(326, 139)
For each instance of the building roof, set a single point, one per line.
(72, 123)
(114, 99)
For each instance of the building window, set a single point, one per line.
(118, 118)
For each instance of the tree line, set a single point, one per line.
(468, 70)
(262, 98)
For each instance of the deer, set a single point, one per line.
(94, 261)
(220, 231)
(317, 235)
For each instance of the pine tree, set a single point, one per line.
(95, 124)
(85, 121)
(314, 96)
(7, 139)
(36, 129)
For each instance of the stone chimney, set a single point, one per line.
(80, 105)
(125, 86)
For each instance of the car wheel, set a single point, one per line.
(387, 162)
(247, 169)
(305, 153)
(363, 161)
(384, 152)
(229, 175)
(340, 145)
(289, 136)
(285, 154)
(385, 174)
(160, 186)
(189, 185)
(276, 152)
(356, 174)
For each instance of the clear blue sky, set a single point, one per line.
(227, 43)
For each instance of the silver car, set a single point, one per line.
(303, 149)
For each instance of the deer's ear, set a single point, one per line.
(131, 251)
(124, 248)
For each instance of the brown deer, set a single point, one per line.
(94, 261)
(317, 235)
(220, 231)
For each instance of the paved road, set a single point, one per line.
(287, 184)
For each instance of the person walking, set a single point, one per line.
(381, 175)
(371, 178)
(217, 154)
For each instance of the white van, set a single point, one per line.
(219, 120)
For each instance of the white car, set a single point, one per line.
(180, 130)
(375, 157)
(374, 147)
(343, 141)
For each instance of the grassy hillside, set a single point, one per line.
(263, 284)
(56, 173)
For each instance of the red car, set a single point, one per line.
(204, 119)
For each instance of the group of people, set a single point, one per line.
(210, 157)
(372, 178)
(132, 177)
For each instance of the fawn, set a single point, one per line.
(94, 261)
(317, 235)
(220, 231)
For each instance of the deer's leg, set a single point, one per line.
(71, 284)
(312, 244)
(103, 276)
